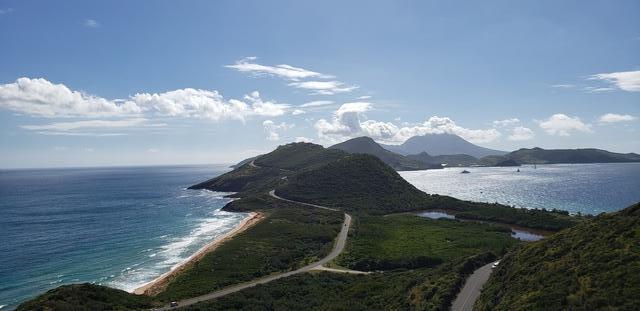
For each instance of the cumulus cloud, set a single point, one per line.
(324, 87)
(296, 112)
(506, 122)
(563, 125)
(39, 97)
(521, 133)
(625, 80)
(347, 122)
(613, 118)
(282, 71)
(302, 139)
(272, 129)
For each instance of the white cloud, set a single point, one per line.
(364, 97)
(521, 133)
(283, 71)
(296, 112)
(317, 103)
(302, 139)
(206, 104)
(153, 150)
(506, 122)
(324, 87)
(613, 117)
(562, 125)
(91, 23)
(591, 89)
(39, 97)
(54, 133)
(625, 80)
(347, 123)
(92, 124)
(272, 129)
(563, 86)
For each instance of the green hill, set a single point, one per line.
(592, 266)
(556, 156)
(366, 145)
(87, 297)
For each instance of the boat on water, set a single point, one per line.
(465, 172)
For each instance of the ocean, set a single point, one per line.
(577, 188)
(120, 227)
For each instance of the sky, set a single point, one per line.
(87, 83)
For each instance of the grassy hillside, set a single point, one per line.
(594, 265)
(410, 241)
(357, 183)
(297, 156)
(366, 145)
(87, 297)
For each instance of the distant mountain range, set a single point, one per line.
(441, 144)
(556, 156)
(366, 145)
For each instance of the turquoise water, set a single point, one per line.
(120, 227)
(584, 188)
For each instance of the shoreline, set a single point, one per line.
(158, 284)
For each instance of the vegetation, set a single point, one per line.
(87, 297)
(366, 145)
(291, 236)
(245, 178)
(420, 289)
(594, 265)
(449, 160)
(298, 156)
(409, 241)
(542, 156)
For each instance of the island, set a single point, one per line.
(342, 230)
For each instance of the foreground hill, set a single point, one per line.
(441, 144)
(574, 156)
(366, 145)
(594, 265)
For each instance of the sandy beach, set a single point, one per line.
(157, 285)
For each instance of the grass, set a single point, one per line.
(592, 266)
(288, 238)
(409, 241)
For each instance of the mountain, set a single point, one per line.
(441, 144)
(448, 160)
(243, 162)
(555, 156)
(592, 266)
(366, 145)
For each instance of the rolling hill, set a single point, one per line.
(441, 144)
(592, 266)
(448, 160)
(366, 145)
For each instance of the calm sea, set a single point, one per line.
(120, 227)
(584, 188)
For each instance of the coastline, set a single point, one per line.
(158, 284)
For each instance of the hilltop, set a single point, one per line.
(366, 145)
(441, 144)
(594, 265)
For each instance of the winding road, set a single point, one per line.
(471, 290)
(318, 265)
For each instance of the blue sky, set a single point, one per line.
(84, 83)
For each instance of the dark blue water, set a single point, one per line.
(584, 188)
(120, 227)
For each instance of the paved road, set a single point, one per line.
(471, 290)
(337, 249)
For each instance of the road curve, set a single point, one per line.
(337, 249)
(471, 290)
